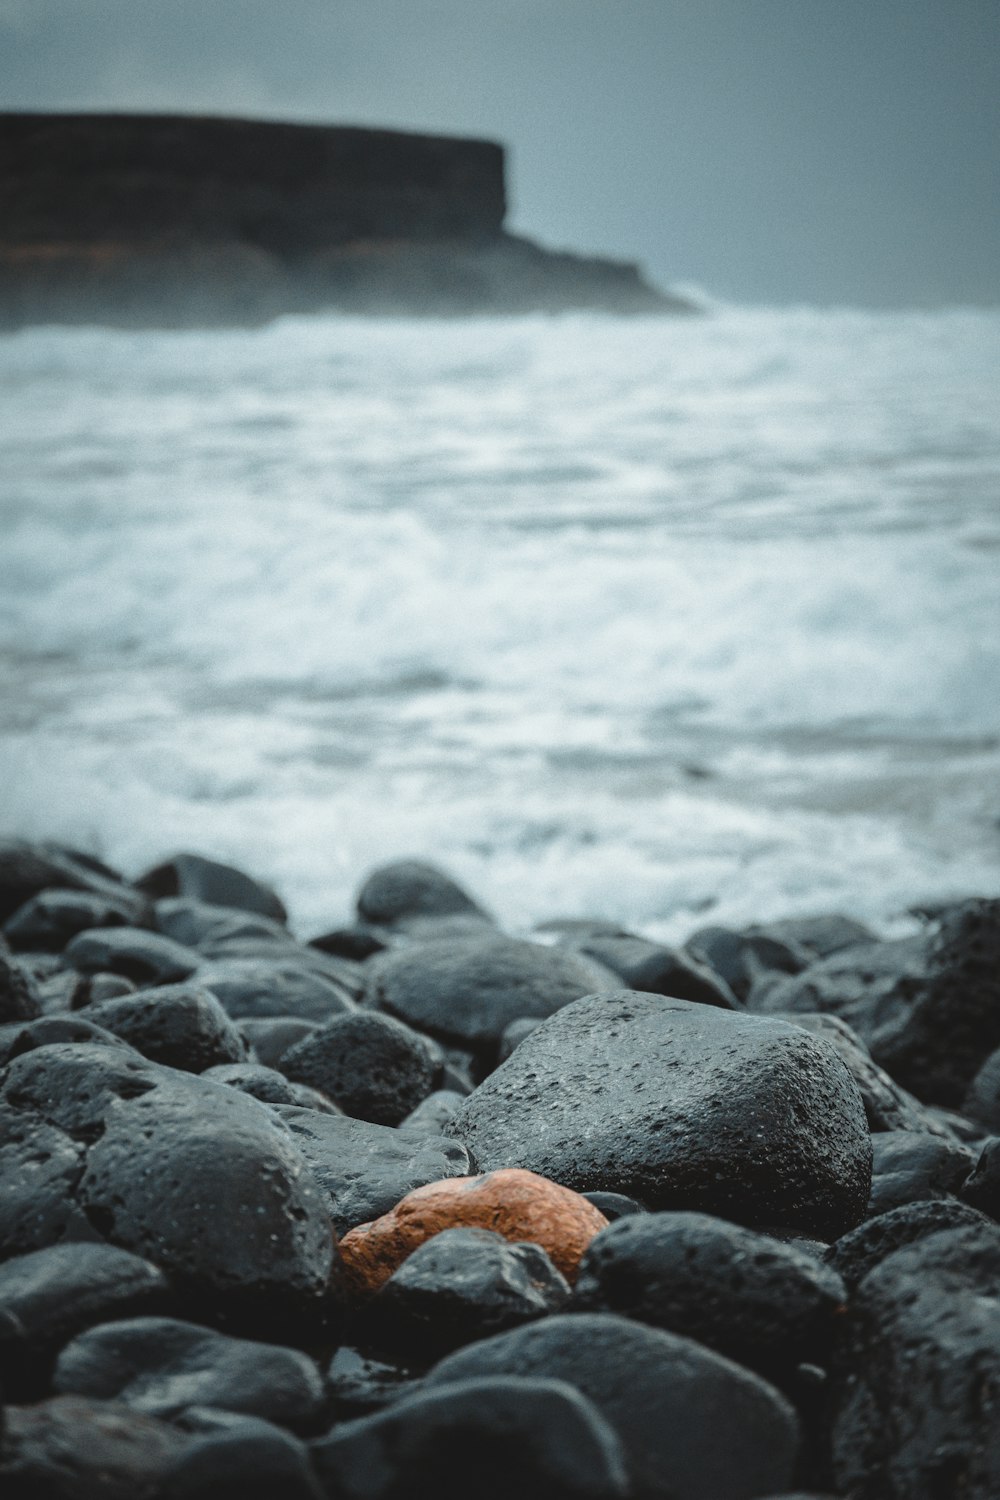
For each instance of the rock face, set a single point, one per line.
(178, 220)
(682, 1106)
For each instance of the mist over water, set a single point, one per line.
(668, 621)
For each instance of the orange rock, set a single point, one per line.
(517, 1204)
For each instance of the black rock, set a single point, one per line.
(914, 1408)
(681, 1106)
(469, 990)
(98, 987)
(143, 956)
(822, 935)
(358, 1384)
(433, 1113)
(51, 918)
(693, 1426)
(266, 988)
(982, 1189)
(374, 1067)
(180, 1025)
(47, 1031)
(207, 1183)
(762, 1303)
(269, 1086)
(28, 869)
(851, 983)
(860, 1250)
(271, 1036)
(74, 1084)
(365, 1169)
(615, 1205)
(494, 1438)
(461, 1285)
(19, 997)
(982, 1097)
(656, 970)
(51, 1295)
(40, 1167)
(909, 1167)
(356, 942)
(247, 1459)
(73, 1449)
(742, 958)
(160, 1366)
(514, 1034)
(198, 924)
(410, 888)
(214, 883)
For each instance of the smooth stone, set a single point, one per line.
(74, 1084)
(514, 1034)
(615, 1205)
(271, 1036)
(160, 1366)
(52, 1295)
(48, 1031)
(850, 983)
(914, 1405)
(433, 1113)
(909, 1166)
(823, 935)
(28, 869)
(372, 1066)
(19, 997)
(100, 987)
(198, 924)
(982, 1097)
(656, 970)
(682, 1106)
(73, 1449)
(493, 1438)
(264, 988)
(180, 1025)
(469, 990)
(761, 1303)
(462, 1285)
(692, 1425)
(741, 959)
(358, 942)
(359, 1383)
(364, 1169)
(517, 1205)
(411, 888)
(40, 1167)
(248, 1459)
(269, 1086)
(143, 956)
(862, 1249)
(51, 918)
(982, 1188)
(208, 1184)
(212, 882)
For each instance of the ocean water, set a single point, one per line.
(668, 621)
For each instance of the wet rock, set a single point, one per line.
(530, 1438)
(269, 1086)
(908, 1167)
(517, 1205)
(914, 1408)
(982, 1097)
(365, 1169)
(160, 1366)
(213, 883)
(668, 1399)
(514, 1034)
(28, 869)
(180, 1025)
(271, 1036)
(374, 1067)
(468, 991)
(40, 1167)
(98, 987)
(74, 1084)
(204, 1181)
(50, 919)
(72, 1449)
(982, 1188)
(198, 924)
(410, 888)
(682, 1106)
(823, 935)
(656, 970)
(764, 1304)
(462, 1285)
(356, 942)
(255, 987)
(19, 998)
(48, 1031)
(51, 1295)
(615, 1205)
(358, 1384)
(433, 1113)
(741, 959)
(247, 1459)
(861, 1250)
(143, 956)
(850, 983)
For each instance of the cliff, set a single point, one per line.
(177, 220)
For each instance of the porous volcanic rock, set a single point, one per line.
(518, 1205)
(373, 1066)
(180, 1025)
(860, 1250)
(681, 1106)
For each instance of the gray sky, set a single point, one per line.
(769, 150)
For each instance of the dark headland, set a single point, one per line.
(169, 220)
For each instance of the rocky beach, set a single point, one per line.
(418, 1207)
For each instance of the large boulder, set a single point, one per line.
(681, 1106)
